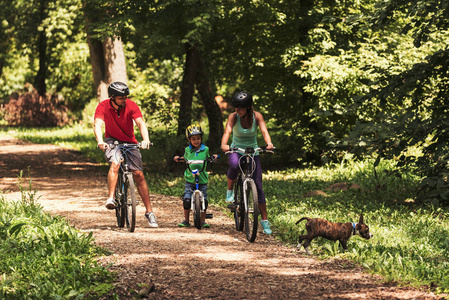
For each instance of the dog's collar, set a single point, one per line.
(353, 228)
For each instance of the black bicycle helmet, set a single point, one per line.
(118, 88)
(194, 129)
(242, 99)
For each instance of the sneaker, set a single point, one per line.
(205, 225)
(151, 217)
(184, 224)
(110, 203)
(266, 226)
(230, 196)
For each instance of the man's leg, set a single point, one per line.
(112, 182)
(142, 188)
(112, 179)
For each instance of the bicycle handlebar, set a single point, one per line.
(210, 159)
(250, 150)
(126, 145)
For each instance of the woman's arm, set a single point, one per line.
(227, 132)
(263, 129)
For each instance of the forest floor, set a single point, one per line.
(169, 262)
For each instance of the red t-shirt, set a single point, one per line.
(119, 126)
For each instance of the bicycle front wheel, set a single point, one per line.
(239, 216)
(252, 211)
(130, 203)
(197, 210)
(119, 198)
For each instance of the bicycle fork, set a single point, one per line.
(246, 185)
(192, 203)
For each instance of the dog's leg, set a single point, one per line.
(306, 245)
(343, 243)
(300, 239)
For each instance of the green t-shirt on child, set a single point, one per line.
(200, 154)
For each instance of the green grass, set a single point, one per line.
(410, 243)
(43, 257)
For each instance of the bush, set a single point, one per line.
(43, 257)
(29, 109)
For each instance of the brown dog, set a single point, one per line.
(332, 231)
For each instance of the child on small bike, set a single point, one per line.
(195, 151)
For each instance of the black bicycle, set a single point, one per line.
(125, 190)
(246, 205)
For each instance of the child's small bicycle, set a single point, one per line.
(197, 203)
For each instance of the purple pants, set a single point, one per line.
(233, 171)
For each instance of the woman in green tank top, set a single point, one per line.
(243, 125)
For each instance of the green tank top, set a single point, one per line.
(242, 137)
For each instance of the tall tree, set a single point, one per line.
(103, 21)
(183, 29)
(108, 63)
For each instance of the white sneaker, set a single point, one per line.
(110, 203)
(151, 219)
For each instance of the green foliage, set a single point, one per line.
(155, 89)
(408, 105)
(43, 257)
(53, 29)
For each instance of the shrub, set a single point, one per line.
(27, 108)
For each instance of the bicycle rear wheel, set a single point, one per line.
(130, 203)
(119, 199)
(197, 210)
(252, 211)
(239, 216)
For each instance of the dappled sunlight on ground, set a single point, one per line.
(182, 263)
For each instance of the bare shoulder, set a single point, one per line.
(258, 116)
(232, 118)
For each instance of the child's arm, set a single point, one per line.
(178, 158)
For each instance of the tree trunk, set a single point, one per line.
(212, 109)
(108, 64)
(188, 88)
(42, 53)
(185, 108)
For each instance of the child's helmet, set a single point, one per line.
(118, 88)
(194, 129)
(242, 99)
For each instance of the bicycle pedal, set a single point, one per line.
(232, 205)
(209, 216)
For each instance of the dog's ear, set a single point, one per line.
(361, 219)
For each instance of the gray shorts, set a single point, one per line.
(133, 156)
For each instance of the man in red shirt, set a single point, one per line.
(118, 114)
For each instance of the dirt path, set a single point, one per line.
(181, 263)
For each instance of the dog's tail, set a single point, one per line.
(302, 219)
